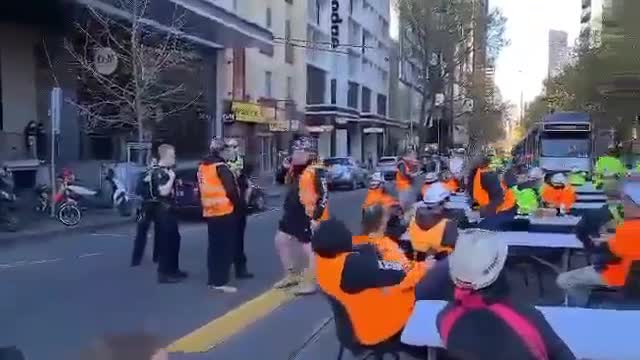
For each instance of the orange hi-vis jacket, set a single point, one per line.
(213, 196)
(481, 196)
(378, 196)
(388, 249)
(309, 195)
(426, 240)
(625, 245)
(451, 185)
(559, 197)
(403, 183)
(370, 326)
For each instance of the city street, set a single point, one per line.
(62, 293)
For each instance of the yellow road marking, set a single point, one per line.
(220, 329)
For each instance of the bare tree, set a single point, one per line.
(148, 83)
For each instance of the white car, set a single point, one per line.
(387, 166)
(345, 172)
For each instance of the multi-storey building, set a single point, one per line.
(269, 84)
(558, 52)
(348, 76)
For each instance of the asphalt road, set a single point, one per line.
(60, 294)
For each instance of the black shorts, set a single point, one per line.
(300, 228)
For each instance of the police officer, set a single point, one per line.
(220, 199)
(162, 181)
(237, 166)
(145, 216)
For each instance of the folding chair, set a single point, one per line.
(625, 296)
(348, 341)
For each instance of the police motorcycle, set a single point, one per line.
(119, 197)
(8, 221)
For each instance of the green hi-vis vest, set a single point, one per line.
(577, 179)
(526, 199)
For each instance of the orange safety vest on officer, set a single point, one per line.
(313, 193)
(362, 303)
(624, 245)
(481, 195)
(403, 181)
(440, 238)
(213, 196)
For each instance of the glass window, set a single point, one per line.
(366, 100)
(580, 148)
(288, 49)
(267, 83)
(268, 18)
(290, 89)
(334, 90)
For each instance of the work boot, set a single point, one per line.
(244, 274)
(291, 279)
(307, 286)
(169, 279)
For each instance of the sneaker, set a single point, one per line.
(305, 288)
(291, 279)
(224, 288)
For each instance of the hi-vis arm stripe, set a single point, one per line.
(390, 265)
(213, 202)
(211, 188)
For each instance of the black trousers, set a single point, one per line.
(239, 257)
(223, 234)
(168, 240)
(140, 242)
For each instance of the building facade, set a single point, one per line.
(558, 52)
(347, 54)
(271, 84)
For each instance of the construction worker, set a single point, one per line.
(236, 164)
(430, 231)
(449, 181)
(559, 194)
(405, 175)
(376, 296)
(608, 168)
(528, 193)
(377, 193)
(429, 179)
(219, 197)
(613, 257)
(305, 207)
(374, 227)
(496, 202)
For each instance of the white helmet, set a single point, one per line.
(376, 179)
(536, 173)
(436, 194)
(431, 177)
(559, 179)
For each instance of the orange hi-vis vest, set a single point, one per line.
(403, 183)
(481, 196)
(425, 240)
(451, 185)
(626, 246)
(559, 197)
(308, 194)
(213, 196)
(369, 325)
(388, 249)
(378, 196)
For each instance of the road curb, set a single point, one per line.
(311, 338)
(11, 238)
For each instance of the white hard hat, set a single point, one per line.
(435, 194)
(231, 142)
(431, 177)
(559, 179)
(536, 173)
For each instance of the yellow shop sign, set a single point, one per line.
(247, 112)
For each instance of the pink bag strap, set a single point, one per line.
(470, 301)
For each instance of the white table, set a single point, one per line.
(457, 205)
(529, 239)
(583, 206)
(591, 197)
(554, 220)
(595, 334)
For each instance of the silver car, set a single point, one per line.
(387, 166)
(345, 172)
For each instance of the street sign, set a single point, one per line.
(105, 60)
(55, 109)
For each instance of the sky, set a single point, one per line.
(522, 66)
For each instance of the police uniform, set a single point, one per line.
(145, 217)
(168, 233)
(240, 258)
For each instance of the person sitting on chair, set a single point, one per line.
(361, 282)
(481, 323)
(377, 193)
(375, 220)
(613, 258)
(559, 194)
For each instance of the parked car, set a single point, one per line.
(345, 172)
(188, 193)
(387, 166)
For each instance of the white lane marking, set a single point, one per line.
(35, 262)
(89, 255)
(111, 235)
